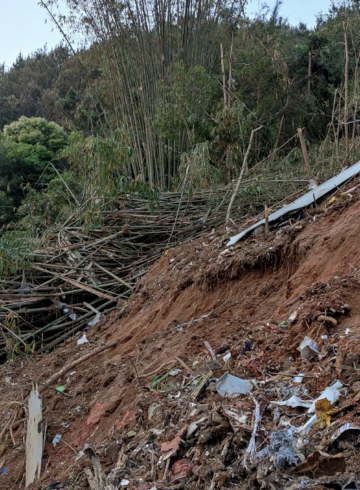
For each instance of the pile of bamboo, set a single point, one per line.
(77, 277)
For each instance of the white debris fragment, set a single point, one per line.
(175, 372)
(308, 342)
(293, 402)
(232, 386)
(299, 378)
(83, 340)
(332, 393)
(227, 357)
(95, 320)
(294, 315)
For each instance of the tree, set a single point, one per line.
(29, 145)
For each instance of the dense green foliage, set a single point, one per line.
(148, 104)
(29, 152)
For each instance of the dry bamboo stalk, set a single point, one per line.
(230, 70)
(241, 173)
(77, 284)
(305, 154)
(346, 90)
(121, 281)
(223, 72)
(70, 366)
(267, 227)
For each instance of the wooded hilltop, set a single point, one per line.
(165, 86)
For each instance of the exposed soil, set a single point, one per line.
(197, 293)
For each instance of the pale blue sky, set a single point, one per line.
(23, 28)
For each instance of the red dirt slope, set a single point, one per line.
(241, 296)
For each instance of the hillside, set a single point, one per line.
(257, 301)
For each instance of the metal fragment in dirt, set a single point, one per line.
(308, 342)
(332, 393)
(303, 201)
(293, 402)
(56, 439)
(342, 429)
(232, 386)
(83, 340)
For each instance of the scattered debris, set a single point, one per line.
(284, 448)
(56, 439)
(331, 393)
(82, 340)
(308, 348)
(180, 471)
(160, 411)
(232, 386)
(211, 352)
(293, 402)
(322, 464)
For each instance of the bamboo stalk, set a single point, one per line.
(223, 73)
(346, 89)
(241, 173)
(72, 365)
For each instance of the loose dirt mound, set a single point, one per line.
(258, 301)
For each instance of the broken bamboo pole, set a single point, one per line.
(244, 165)
(305, 155)
(70, 366)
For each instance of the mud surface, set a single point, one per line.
(257, 300)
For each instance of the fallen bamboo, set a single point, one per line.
(113, 275)
(77, 284)
(243, 169)
(70, 366)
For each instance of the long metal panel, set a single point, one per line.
(303, 201)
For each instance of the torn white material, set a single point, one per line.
(308, 342)
(56, 439)
(211, 352)
(303, 201)
(232, 386)
(344, 428)
(299, 378)
(83, 340)
(240, 419)
(174, 372)
(95, 320)
(34, 438)
(80, 455)
(305, 429)
(124, 482)
(294, 315)
(293, 402)
(332, 393)
(227, 357)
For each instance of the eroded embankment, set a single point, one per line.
(195, 293)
